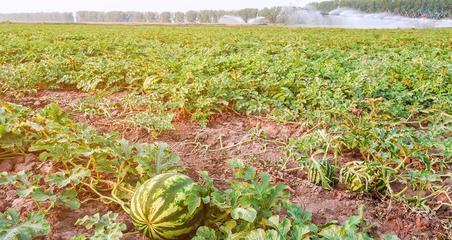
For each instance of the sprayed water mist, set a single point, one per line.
(350, 18)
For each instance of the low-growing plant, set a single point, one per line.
(102, 165)
(105, 227)
(253, 208)
(153, 122)
(311, 152)
(12, 227)
(96, 105)
(31, 185)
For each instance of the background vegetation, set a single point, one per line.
(409, 8)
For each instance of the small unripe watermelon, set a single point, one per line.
(162, 208)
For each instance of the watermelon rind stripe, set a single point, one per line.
(159, 208)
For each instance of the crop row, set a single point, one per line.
(106, 169)
(383, 95)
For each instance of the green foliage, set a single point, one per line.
(12, 228)
(136, 109)
(30, 185)
(253, 208)
(410, 8)
(86, 161)
(57, 138)
(205, 233)
(309, 144)
(12, 124)
(152, 122)
(389, 153)
(97, 105)
(293, 75)
(349, 230)
(154, 159)
(377, 97)
(105, 227)
(61, 180)
(306, 150)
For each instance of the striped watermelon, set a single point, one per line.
(159, 207)
(320, 172)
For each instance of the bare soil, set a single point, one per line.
(229, 136)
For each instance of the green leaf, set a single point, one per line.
(273, 220)
(61, 180)
(53, 112)
(298, 214)
(88, 221)
(25, 192)
(261, 234)
(69, 198)
(350, 228)
(79, 237)
(105, 227)
(258, 234)
(249, 173)
(7, 179)
(106, 165)
(208, 181)
(282, 227)
(248, 214)
(33, 226)
(205, 233)
(332, 232)
(236, 164)
(304, 231)
(155, 159)
(220, 200)
(390, 237)
(206, 200)
(40, 195)
(227, 229)
(241, 170)
(2, 130)
(193, 202)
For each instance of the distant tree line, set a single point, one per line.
(37, 17)
(409, 8)
(203, 16)
(192, 17)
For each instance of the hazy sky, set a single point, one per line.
(7, 6)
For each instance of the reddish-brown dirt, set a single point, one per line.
(259, 142)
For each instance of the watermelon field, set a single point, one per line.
(224, 133)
